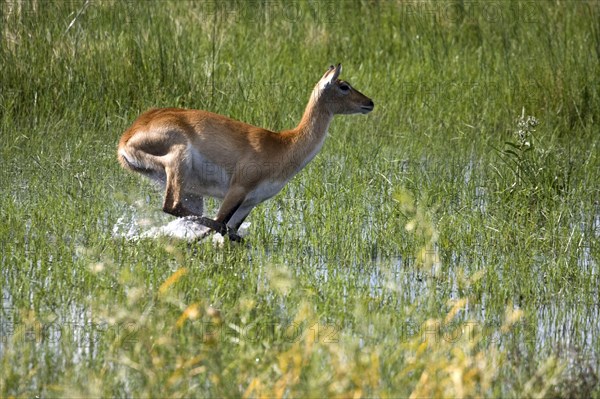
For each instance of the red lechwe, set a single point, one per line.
(195, 153)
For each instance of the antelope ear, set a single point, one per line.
(329, 70)
(331, 76)
(337, 72)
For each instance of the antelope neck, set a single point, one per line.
(312, 129)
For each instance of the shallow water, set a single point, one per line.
(569, 330)
(186, 228)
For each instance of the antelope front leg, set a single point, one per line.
(231, 203)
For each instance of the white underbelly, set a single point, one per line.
(205, 177)
(209, 179)
(264, 191)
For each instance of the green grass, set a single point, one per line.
(428, 250)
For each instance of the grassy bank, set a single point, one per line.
(444, 245)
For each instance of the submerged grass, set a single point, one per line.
(429, 250)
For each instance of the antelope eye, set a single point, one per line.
(344, 87)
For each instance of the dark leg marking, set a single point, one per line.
(220, 228)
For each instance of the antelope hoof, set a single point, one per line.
(220, 228)
(233, 235)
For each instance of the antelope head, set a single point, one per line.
(339, 97)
